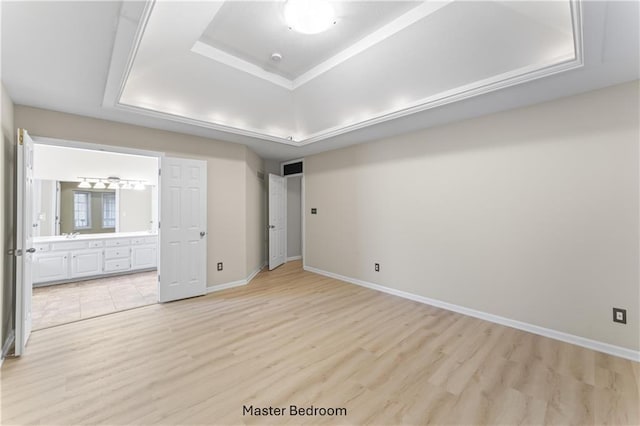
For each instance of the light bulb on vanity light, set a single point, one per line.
(99, 185)
(139, 186)
(84, 184)
(309, 16)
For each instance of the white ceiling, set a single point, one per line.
(240, 29)
(70, 164)
(404, 76)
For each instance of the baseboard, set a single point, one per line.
(531, 328)
(93, 277)
(238, 283)
(6, 345)
(289, 259)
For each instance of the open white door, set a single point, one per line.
(24, 239)
(277, 221)
(183, 229)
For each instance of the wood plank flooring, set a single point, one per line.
(295, 338)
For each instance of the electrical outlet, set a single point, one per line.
(376, 266)
(620, 315)
(219, 266)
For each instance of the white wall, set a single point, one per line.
(135, 210)
(530, 214)
(294, 219)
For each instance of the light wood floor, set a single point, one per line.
(61, 303)
(293, 337)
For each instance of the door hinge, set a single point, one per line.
(20, 136)
(158, 224)
(159, 172)
(158, 277)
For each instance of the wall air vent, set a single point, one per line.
(292, 169)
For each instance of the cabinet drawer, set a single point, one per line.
(41, 247)
(117, 252)
(150, 240)
(95, 244)
(117, 243)
(69, 245)
(137, 240)
(114, 265)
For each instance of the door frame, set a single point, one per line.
(286, 214)
(302, 206)
(106, 148)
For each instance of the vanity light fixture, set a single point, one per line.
(114, 182)
(111, 182)
(309, 16)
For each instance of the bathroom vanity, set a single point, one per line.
(63, 259)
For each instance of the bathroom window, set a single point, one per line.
(81, 210)
(108, 210)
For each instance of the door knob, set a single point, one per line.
(272, 226)
(31, 250)
(202, 234)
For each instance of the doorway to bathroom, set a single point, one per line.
(95, 220)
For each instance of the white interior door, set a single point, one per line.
(24, 239)
(183, 228)
(277, 221)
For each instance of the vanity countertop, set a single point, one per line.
(83, 237)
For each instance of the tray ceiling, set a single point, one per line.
(380, 61)
(90, 58)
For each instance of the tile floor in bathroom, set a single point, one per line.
(62, 303)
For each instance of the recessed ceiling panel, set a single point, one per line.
(253, 31)
(462, 47)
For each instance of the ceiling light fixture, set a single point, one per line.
(276, 57)
(309, 16)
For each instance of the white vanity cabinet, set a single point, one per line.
(57, 259)
(86, 263)
(144, 252)
(50, 266)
